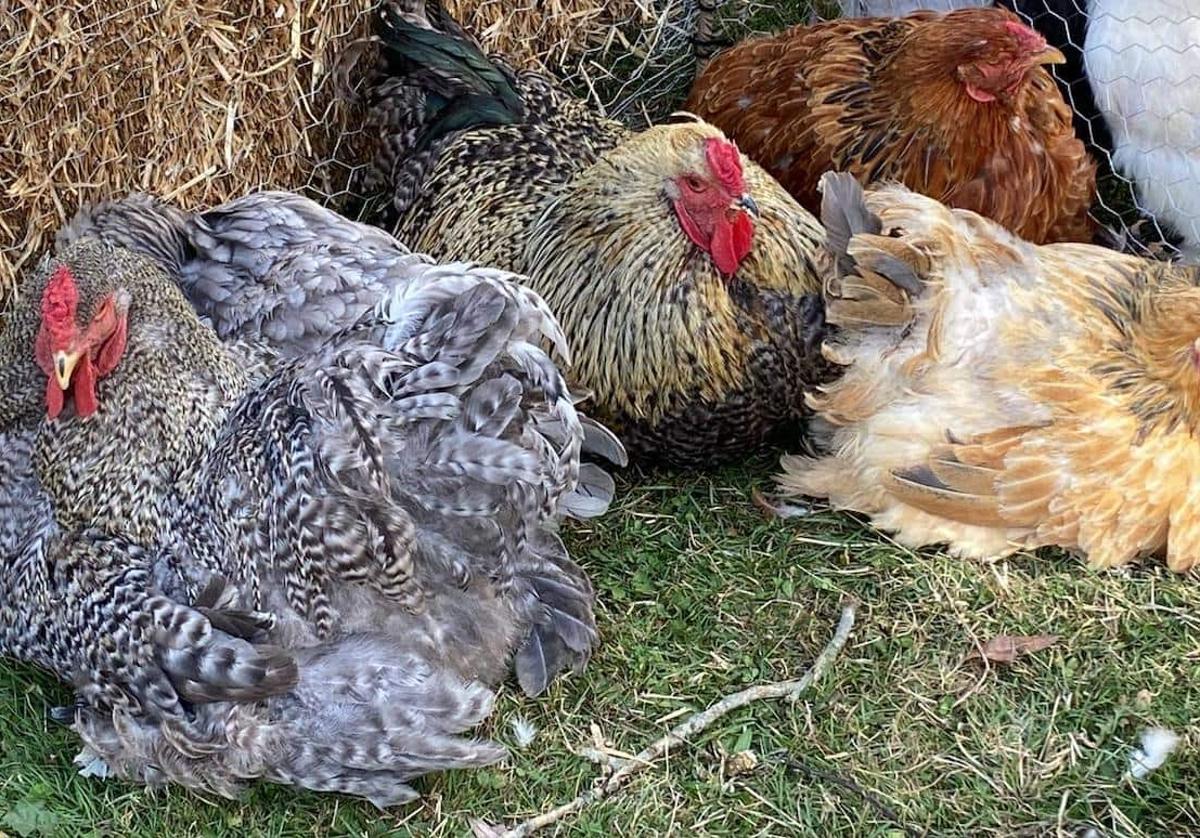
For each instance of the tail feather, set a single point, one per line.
(844, 214)
(466, 336)
(593, 493)
(431, 81)
(564, 627)
(602, 442)
(464, 89)
(875, 275)
(206, 665)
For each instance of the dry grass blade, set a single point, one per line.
(1006, 648)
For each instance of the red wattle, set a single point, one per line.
(54, 398)
(979, 95)
(83, 387)
(112, 350)
(731, 242)
(724, 251)
(743, 236)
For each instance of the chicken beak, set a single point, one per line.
(1049, 55)
(64, 366)
(748, 203)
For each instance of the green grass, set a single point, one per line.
(700, 596)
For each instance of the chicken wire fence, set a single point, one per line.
(196, 101)
(203, 100)
(1132, 78)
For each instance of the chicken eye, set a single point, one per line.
(695, 184)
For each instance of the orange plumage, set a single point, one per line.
(956, 106)
(1001, 395)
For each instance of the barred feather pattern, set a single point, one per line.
(353, 452)
(477, 160)
(123, 469)
(84, 606)
(270, 268)
(418, 438)
(165, 696)
(383, 508)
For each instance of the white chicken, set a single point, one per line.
(1143, 62)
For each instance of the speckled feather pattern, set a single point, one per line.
(169, 424)
(687, 366)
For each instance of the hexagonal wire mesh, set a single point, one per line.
(1133, 79)
(202, 100)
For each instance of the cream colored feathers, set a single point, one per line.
(1001, 395)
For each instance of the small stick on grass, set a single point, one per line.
(697, 723)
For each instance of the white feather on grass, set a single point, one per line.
(523, 730)
(1157, 745)
(91, 765)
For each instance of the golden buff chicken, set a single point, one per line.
(681, 272)
(958, 106)
(1000, 395)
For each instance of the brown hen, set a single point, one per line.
(956, 106)
(1001, 395)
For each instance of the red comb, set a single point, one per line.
(1027, 39)
(60, 299)
(59, 303)
(726, 164)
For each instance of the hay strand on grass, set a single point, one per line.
(697, 723)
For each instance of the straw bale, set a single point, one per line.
(202, 100)
(195, 99)
(550, 34)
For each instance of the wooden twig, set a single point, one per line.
(695, 724)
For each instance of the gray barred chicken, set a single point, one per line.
(276, 275)
(342, 569)
(681, 272)
(270, 271)
(67, 353)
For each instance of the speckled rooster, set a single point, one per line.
(678, 269)
(317, 581)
